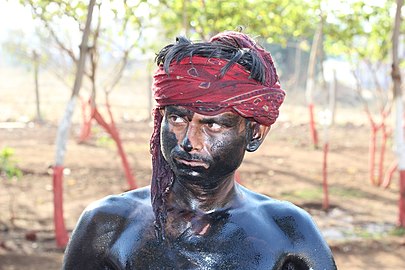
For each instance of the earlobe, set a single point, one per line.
(258, 133)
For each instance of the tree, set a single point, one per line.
(310, 84)
(118, 30)
(399, 128)
(275, 22)
(26, 51)
(360, 31)
(63, 133)
(113, 35)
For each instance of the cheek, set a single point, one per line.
(231, 145)
(168, 140)
(217, 146)
(227, 154)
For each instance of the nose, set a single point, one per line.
(192, 140)
(186, 144)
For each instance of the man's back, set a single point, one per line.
(253, 232)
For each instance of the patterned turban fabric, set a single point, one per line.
(196, 83)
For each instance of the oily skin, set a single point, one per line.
(203, 152)
(212, 222)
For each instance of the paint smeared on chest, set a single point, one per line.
(228, 248)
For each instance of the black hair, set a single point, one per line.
(216, 49)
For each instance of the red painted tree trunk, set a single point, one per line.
(389, 174)
(112, 130)
(382, 154)
(87, 117)
(61, 235)
(312, 125)
(91, 112)
(372, 150)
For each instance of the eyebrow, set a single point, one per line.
(178, 110)
(227, 119)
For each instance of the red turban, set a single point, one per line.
(195, 83)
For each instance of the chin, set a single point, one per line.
(189, 173)
(196, 174)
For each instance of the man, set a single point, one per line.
(215, 100)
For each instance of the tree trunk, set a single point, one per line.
(311, 81)
(325, 202)
(87, 117)
(384, 137)
(312, 125)
(332, 97)
(388, 175)
(63, 134)
(400, 151)
(372, 150)
(113, 131)
(36, 75)
(399, 130)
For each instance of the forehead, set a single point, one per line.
(187, 111)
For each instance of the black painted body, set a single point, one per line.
(258, 233)
(212, 222)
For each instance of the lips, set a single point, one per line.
(192, 163)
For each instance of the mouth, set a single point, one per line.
(192, 163)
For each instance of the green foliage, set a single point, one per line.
(105, 141)
(8, 167)
(360, 29)
(397, 231)
(117, 29)
(277, 21)
(357, 28)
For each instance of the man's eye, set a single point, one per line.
(214, 126)
(176, 119)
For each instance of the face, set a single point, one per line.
(200, 147)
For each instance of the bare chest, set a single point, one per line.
(218, 247)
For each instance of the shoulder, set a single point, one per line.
(297, 227)
(121, 204)
(114, 210)
(99, 225)
(277, 210)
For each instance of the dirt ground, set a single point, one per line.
(359, 226)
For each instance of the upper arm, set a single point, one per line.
(92, 237)
(306, 238)
(314, 245)
(82, 251)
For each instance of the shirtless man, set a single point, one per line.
(215, 101)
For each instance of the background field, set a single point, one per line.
(360, 226)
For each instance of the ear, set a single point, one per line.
(256, 136)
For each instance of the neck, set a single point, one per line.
(202, 197)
